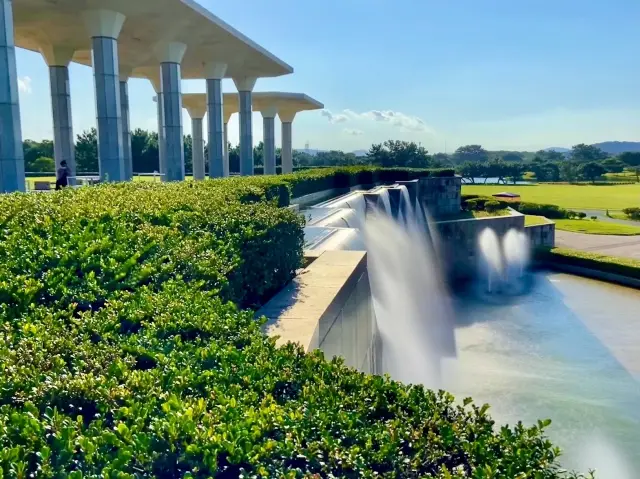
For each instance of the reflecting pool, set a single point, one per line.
(567, 349)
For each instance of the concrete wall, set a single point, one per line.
(458, 241)
(442, 196)
(328, 307)
(542, 236)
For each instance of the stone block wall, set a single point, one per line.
(542, 236)
(442, 196)
(457, 241)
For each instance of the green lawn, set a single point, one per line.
(621, 216)
(596, 227)
(589, 197)
(532, 220)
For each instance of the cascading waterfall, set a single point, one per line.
(413, 313)
(490, 258)
(516, 254)
(386, 201)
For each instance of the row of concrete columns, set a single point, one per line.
(112, 110)
(219, 163)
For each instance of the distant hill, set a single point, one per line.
(617, 147)
(558, 149)
(360, 152)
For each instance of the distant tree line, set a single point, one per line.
(38, 156)
(472, 162)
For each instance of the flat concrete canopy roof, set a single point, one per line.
(42, 24)
(261, 101)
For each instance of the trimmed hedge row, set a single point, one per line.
(471, 202)
(609, 264)
(77, 248)
(176, 383)
(311, 181)
(122, 353)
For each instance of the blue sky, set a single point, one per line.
(507, 74)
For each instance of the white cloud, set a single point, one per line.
(24, 85)
(394, 118)
(353, 132)
(339, 118)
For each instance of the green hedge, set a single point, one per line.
(79, 247)
(471, 202)
(609, 264)
(305, 182)
(176, 383)
(122, 353)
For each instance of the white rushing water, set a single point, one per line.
(490, 259)
(413, 310)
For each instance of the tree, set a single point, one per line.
(569, 171)
(512, 157)
(551, 155)
(587, 153)
(188, 154)
(631, 159)
(471, 170)
(613, 165)
(470, 153)
(399, 153)
(514, 171)
(87, 151)
(441, 160)
(43, 165)
(545, 170)
(592, 171)
(33, 150)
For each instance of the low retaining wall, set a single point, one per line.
(324, 195)
(328, 307)
(458, 241)
(592, 273)
(541, 236)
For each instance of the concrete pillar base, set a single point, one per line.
(216, 145)
(63, 139)
(197, 149)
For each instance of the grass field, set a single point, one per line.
(532, 220)
(596, 227)
(621, 216)
(588, 197)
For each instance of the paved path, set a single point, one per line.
(602, 216)
(626, 246)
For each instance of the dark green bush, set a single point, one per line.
(176, 383)
(582, 215)
(82, 246)
(478, 202)
(633, 213)
(548, 211)
(492, 206)
(121, 356)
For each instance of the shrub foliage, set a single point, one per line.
(125, 352)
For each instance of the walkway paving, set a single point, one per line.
(625, 246)
(601, 215)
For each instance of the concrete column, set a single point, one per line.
(126, 127)
(225, 164)
(287, 145)
(170, 56)
(198, 149)
(215, 72)
(11, 156)
(197, 114)
(245, 87)
(162, 161)
(58, 59)
(104, 27)
(269, 140)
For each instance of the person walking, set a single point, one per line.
(62, 176)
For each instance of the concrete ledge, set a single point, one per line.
(328, 307)
(594, 274)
